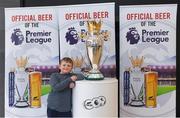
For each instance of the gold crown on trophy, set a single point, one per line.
(77, 62)
(21, 62)
(93, 26)
(137, 62)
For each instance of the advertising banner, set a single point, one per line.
(82, 23)
(31, 56)
(148, 60)
(87, 35)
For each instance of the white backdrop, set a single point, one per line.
(145, 19)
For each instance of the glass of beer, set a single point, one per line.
(151, 80)
(35, 89)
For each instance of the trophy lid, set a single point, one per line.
(94, 26)
(21, 62)
(137, 62)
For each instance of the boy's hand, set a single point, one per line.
(73, 78)
(71, 85)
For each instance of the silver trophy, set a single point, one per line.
(21, 83)
(94, 47)
(137, 82)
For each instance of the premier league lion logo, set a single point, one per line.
(17, 37)
(72, 36)
(132, 36)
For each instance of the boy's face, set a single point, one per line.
(65, 67)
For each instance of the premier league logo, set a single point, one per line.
(72, 36)
(133, 36)
(17, 37)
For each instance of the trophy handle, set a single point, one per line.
(133, 91)
(18, 92)
(141, 91)
(106, 57)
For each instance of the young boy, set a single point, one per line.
(60, 97)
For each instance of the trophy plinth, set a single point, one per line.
(94, 74)
(136, 103)
(21, 103)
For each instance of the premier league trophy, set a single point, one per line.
(21, 83)
(137, 82)
(94, 47)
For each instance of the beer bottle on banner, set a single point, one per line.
(35, 89)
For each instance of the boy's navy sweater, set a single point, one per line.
(60, 97)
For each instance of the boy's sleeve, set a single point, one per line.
(59, 86)
(80, 76)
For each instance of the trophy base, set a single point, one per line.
(136, 103)
(21, 104)
(94, 76)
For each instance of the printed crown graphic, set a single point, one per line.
(77, 62)
(93, 26)
(132, 28)
(21, 62)
(15, 30)
(137, 62)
